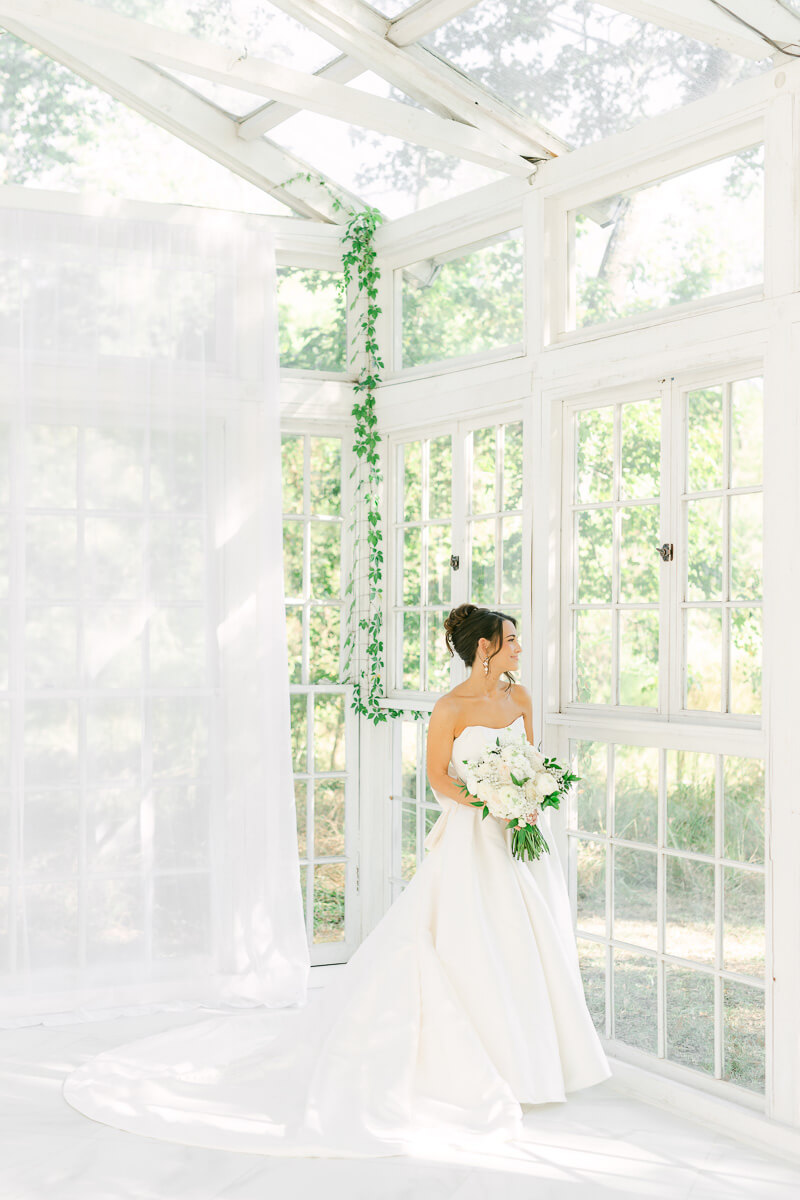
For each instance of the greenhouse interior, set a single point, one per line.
(319, 320)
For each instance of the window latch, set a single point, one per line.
(666, 551)
(454, 562)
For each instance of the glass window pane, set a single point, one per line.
(594, 441)
(592, 960)
(511, 576)
(440, 467)
(301, 815)
(329, 745)
(325, 479)
(690, 909)
(410, 565)
(411, 651)
(323, 649)
(299, 721)
(746, 546)
(326, 553)
(744, 1035)
(439, 564)
(51, 454)
(328, 817)
(484, 457)
(438, 659)
(690, 1018)
(51, 742)
(593, 535)
(329, 902)
(293, 559)
(635, 1000)
(292, 472)
(636, 793)
(744, 809)
(51, 647)
(635, 897)
(512, 466)
(484, 549)
(589, 793)
(638, 555)
(704, 550)
(690, 800)
(311, 319)
(638, 658)
(51, 548)
(746, 654)
(591, 903)
(593, 656)
(640, 456)
(408, 840)
(408, 759)
(294, 640)
(640, 258)
(743, 929)
(464, 305)
(704, 659)
(412, 481)
(747, 432)
(704, 431)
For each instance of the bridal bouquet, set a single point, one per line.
(512, 779)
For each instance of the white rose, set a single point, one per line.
(545, 783)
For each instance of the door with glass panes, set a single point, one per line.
(661, 680)
(459, 533)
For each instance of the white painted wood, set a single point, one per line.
(781, 185)
(781, 673)
(704, 22)
(183, 113)
(181, 52)
(770, 17)
(423, 18)
(261, 120)
(358, 30)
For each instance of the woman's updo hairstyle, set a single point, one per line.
(467, 624)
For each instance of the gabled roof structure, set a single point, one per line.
(455, 93)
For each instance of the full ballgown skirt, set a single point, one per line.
(463, 1003)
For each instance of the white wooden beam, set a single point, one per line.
(195, 121)
(423, 18)
(361, 32)
(181, 52)
(705, 22)
(261, 120)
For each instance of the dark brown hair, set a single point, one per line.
(467, 624)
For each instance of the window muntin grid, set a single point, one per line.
(688, 631)
(106, 787)
(321, 723)
(415, 809)
(423, 536)
(667, 877)
(721, 522)
(615, 519)
(495, 516)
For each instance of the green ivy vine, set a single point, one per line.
(363, 665)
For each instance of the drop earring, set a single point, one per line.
(486, 666)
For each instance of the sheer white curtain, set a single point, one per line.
(147, 825)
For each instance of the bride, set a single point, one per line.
(462, 1005)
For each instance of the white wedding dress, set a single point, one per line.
(462, 1004)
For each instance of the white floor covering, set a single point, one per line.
(600, 1143)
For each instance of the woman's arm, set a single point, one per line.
(522, 697)
(441, 729)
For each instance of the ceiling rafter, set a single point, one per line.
(342, 69)
(423, 18)
(179, 51)
(196, 121)
(704, 22)
(361, 32)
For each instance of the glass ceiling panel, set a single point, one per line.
(393, 175)
(263, 29)
(392, 8)
(233, 101)
(67, 135)
(584, 70)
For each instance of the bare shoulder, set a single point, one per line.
(521, 696)
(445, 711)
